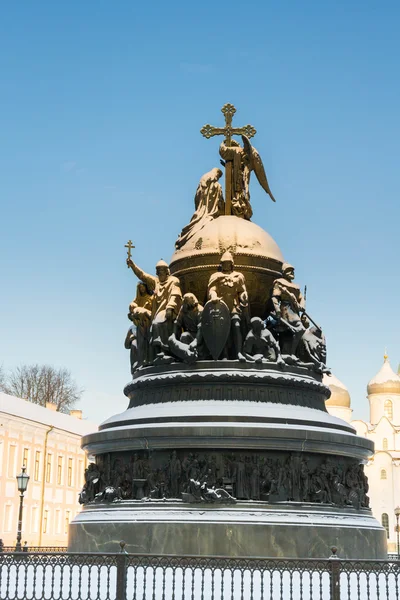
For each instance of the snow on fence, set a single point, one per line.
(123, 576)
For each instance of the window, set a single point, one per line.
(11, 461)
(58, 521)
(7, 517)
(70, 471)
(59, 470)
(48, 468)
(385, 523)
(67, 518)
(25, 457)
(385, 444)
(383, 474)
(388, 409)
(45, 519)
(37, 465)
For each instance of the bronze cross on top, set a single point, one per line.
(228, 110)
(129, 245)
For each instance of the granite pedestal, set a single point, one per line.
(238, 418)
(244, 529)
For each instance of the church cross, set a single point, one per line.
(129, 245)
(208, 131)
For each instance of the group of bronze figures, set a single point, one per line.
(226, 477)
(168, 326)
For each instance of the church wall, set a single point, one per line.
(341, 412)
(383, 491)
(361, 427)
(396, 438)
(384, 431)
(377, 407)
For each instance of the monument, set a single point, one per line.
(226, 447)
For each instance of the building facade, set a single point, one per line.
(48, 444)
(383, 429)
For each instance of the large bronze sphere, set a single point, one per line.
(255, 253)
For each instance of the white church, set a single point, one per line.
(383, 429)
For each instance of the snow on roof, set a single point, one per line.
(18, 407)
(332, 380)
(385, 375)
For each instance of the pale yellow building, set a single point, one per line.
(48, 444)
(383, 428)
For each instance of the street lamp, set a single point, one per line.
(22, 483)
(397, 513)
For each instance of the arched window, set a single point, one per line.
(388, 409)
(385, 444)
(383, 474)
(385, 522)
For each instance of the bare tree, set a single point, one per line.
(2, 379)
(41, 384)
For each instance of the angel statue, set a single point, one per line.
(244, 161)
(208, 203)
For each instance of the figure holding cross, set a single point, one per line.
(239, 163)
(165, 299)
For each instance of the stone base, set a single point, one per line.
(245, 529)
(248, 428)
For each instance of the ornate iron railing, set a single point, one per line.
(124, 576)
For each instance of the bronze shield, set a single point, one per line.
(215, 326)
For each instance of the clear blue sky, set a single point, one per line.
(101, 106)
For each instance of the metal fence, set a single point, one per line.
(123, 576)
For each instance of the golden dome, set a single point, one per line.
(386, 381)
(255, 252)
(339, 393)
(234, 234)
